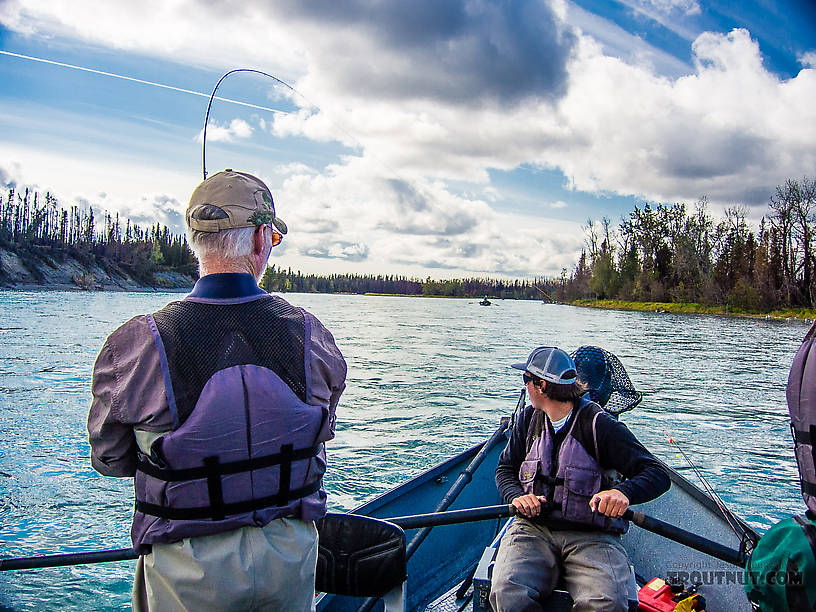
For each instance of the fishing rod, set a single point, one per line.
(416, 521)
(544, 293)
(334, 124)
(747, 539)
(212, 97)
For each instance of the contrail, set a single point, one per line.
(142, 81)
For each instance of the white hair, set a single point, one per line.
(226, 244)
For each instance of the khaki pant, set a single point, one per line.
(252, 568)
(529, 565)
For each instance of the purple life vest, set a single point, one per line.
(571, 482)
(247, 446)
(801, 396)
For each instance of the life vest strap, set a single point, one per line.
(287, 450)
(224, 510)
(214, 487)
(286, 456)
(804, 436)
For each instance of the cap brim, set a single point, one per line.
(280, 225)
(519, 366)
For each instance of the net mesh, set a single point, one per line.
(201, 339)
(604, 375)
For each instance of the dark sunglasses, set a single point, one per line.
(528, 378)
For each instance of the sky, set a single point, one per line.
(428, 138)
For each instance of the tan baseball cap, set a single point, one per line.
(245, 199)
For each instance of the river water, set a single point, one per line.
(427, 378)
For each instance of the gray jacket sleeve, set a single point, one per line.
(128, 391)
(327, 371)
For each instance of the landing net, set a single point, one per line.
(604, 375)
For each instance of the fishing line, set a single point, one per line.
(305, 99)
(212, 97)
(141, 81)
(729, 516)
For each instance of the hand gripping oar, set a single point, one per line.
(644, 521)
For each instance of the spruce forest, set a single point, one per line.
(38, 229)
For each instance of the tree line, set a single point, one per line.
(658, 253)
(39, 228)
(285, 280)
(670, 253)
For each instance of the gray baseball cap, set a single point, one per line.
(551, 364)
(244, 198)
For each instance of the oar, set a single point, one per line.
(687, 538)
(644, 521)
(414, 521)
(81, 558)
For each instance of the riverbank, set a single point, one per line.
(47, 272)
(415, 295)
(788, 314)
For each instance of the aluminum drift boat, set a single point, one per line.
(441, 560)
(440, 570)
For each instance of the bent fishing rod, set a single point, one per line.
(416, 521)
(212, 97)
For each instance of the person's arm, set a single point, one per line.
(507, 470)
(619, 449)
(328, 373)
(113, 444)
(128, 392)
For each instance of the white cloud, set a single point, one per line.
(808, 60)
(731, 131)
(75, 179)
(617, 42)
(237, 128)
(205, 34)
(664, 11)
(293, 168)
(601, 113)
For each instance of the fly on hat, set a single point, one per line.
(244, 198)
(550, 363)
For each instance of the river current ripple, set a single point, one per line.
(427, 378)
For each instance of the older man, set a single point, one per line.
(556, 472)
(219, 405)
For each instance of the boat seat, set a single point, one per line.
(360, 556)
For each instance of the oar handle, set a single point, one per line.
(452, 517)
(99, 556)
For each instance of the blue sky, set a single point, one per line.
(430, 138)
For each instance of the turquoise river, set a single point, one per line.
(427, 378)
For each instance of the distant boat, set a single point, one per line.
(484, 302)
